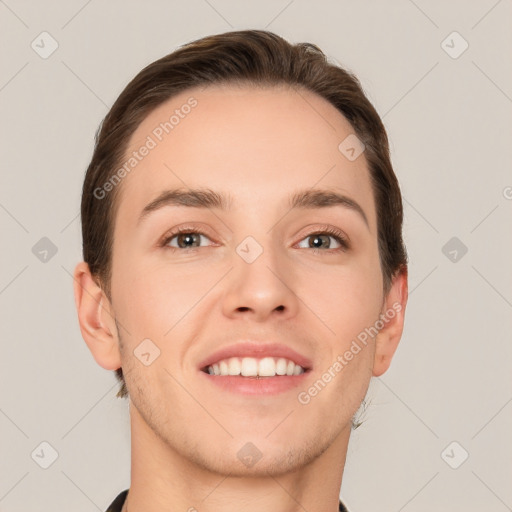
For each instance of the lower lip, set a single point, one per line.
(256, 386)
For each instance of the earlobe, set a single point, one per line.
(95, 317)
(392, 316)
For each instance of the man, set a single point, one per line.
(244, 272)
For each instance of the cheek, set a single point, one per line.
(347, 299)
(153, 297)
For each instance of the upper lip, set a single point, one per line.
(258, 350)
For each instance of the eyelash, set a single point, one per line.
(338, 235)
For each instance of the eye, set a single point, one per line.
(190, 238)
(322, 239)
(184, 238)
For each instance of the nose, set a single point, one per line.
(261, 289)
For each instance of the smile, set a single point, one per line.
(255, 367)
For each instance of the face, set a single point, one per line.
(246, 279)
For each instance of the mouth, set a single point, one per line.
(256, 369)
(253, 367)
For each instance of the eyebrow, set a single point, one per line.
(193, 198)
(314, 198)
(207, 198)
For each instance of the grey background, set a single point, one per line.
(449, 122)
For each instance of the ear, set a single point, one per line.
(95, 316)
(392, 316)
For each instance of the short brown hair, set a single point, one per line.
(255, 57)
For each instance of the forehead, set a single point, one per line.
(255, 144)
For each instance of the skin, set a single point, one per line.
(259, 146)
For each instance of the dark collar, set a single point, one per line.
(118, 503)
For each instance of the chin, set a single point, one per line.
(260, 458)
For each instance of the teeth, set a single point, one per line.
(267, 367)
(223, 368)
(249, 367)
(234, 366)
(281, 366)
(252, 367)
